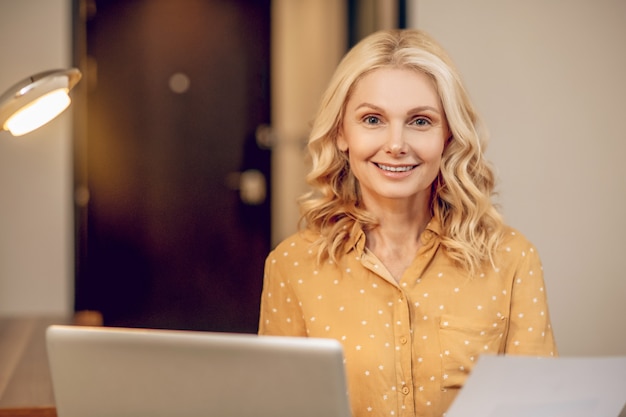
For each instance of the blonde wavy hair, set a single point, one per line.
(462, 192)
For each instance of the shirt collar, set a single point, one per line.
(356, 241)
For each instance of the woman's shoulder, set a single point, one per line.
(514, 241)
(293, 252)
(300, 242)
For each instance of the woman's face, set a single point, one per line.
(394, 130)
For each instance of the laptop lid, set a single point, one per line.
(522, 386)
(115, 372)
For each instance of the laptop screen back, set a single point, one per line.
(113, 372)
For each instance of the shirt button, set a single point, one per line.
(405, 390)
(403, 340)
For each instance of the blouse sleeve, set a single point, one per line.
(530, 330)
(280, 312)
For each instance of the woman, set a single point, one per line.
(403, 257)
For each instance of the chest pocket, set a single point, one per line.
(462, 340)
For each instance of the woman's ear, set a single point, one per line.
(448, 132)
(342, 144)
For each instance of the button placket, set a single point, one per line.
(404, 350)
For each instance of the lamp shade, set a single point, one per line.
(36, 100)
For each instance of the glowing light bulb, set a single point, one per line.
(38, 113)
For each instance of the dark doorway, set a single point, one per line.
(173, 212)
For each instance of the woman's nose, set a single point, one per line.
(396, 144)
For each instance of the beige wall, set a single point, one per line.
(36, 266)
(308, 40)
(548, 77)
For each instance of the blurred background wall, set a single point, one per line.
(546, 76)
(36, 237)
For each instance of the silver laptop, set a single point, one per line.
(114, 372)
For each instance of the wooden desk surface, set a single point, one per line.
(25, 382)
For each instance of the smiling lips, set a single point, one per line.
(389, 168)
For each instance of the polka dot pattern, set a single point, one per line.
(408, 345)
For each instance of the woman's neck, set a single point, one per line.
(396, 239)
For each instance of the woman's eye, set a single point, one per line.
(421, 121)
(371, 120)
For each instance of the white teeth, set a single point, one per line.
(395, 169)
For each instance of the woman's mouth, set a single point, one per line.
(390, 168)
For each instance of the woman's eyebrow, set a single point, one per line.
(417, 109)
(369, 106)
(420, 109)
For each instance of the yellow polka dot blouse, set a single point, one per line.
(408, 346)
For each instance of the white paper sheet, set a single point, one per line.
(519, 386)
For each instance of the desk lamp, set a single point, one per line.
(36, 100)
